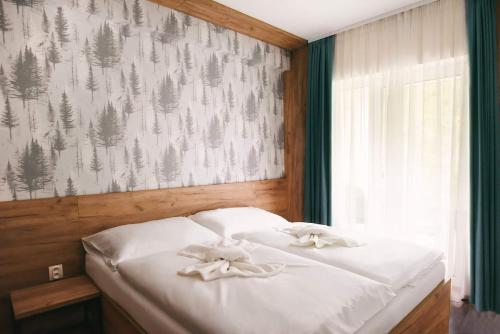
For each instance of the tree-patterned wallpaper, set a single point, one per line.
(120, 95)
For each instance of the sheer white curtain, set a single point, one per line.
(400, 130)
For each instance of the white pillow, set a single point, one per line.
(230, 221)
(133, 241)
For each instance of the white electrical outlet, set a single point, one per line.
(56, 272)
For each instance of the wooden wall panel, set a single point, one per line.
(295, 128)
(98, 212)
(216, 13)
(34, 235)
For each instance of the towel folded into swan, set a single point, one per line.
(226, 258)
(320, 236)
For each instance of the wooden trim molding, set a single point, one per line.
(295, 131)
(224, 16)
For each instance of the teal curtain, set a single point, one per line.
(317, 181)
(485, 156)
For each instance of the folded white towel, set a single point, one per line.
(320, 236)
(226, 259)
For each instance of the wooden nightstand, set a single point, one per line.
(49, 297)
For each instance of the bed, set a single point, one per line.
(125, 306)
(417, 308)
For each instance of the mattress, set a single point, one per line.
(154, 320)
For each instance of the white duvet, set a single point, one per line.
(394, 262)
(305, 297)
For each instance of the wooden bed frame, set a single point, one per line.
(431, 316)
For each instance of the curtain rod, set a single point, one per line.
(375, 18)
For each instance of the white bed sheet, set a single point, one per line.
(149, 316)
(154, 320)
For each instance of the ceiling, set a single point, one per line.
(314, 19)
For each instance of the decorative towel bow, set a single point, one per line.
(226, 259)
(319, 236)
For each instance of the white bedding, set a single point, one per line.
(155, 320)
(306, 297)
(390, 261)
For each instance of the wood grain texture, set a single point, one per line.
(221, 15)
(49, 296)
(116, 320)
(295, 131)
(431, 316)
(35, 234)
(99, 212)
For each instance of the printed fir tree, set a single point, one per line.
(236, 44)
(131, 180)
(66, 112)
(215, 133)
(137, 13)
(4, 82)
(170, 164)
(230, 97)
(189, 123)
(156, 127)
(105, 52)
(137, 155)
(108, 128)
(187, 57)
(154, 57)
(70, 188)
(91, 84)
(53, 54)
(167, 95)
(59, 143)
(252, 165)
(170, 30)
(92, 7)
(9, 119)
(213, 72)
(134, 81)
(32, 169)
(95, 164)
(61, 26)
(128, 107)
(4, 22)
(251, 108)
(26, 78)
(115, 187)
